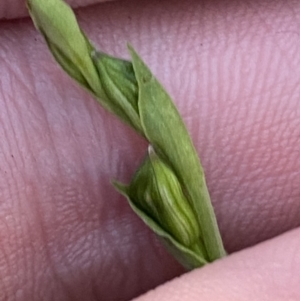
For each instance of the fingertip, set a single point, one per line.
(268, 271)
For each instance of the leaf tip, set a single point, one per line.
(120, 187)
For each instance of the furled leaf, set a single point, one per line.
(165, 130)
(119, 83)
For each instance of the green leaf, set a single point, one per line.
(165, 130)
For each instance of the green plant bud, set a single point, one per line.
(110, 79)
(156, 190)
(169, 191)
(120, 86)
(57, 23)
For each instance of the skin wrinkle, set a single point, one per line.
(38, 215)
(225, 106)
(35, 207)
(14, 185)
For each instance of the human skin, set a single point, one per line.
(232, 68)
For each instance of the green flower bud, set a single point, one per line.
(156, 190)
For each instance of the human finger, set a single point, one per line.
(266, 272)
(58, 154)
